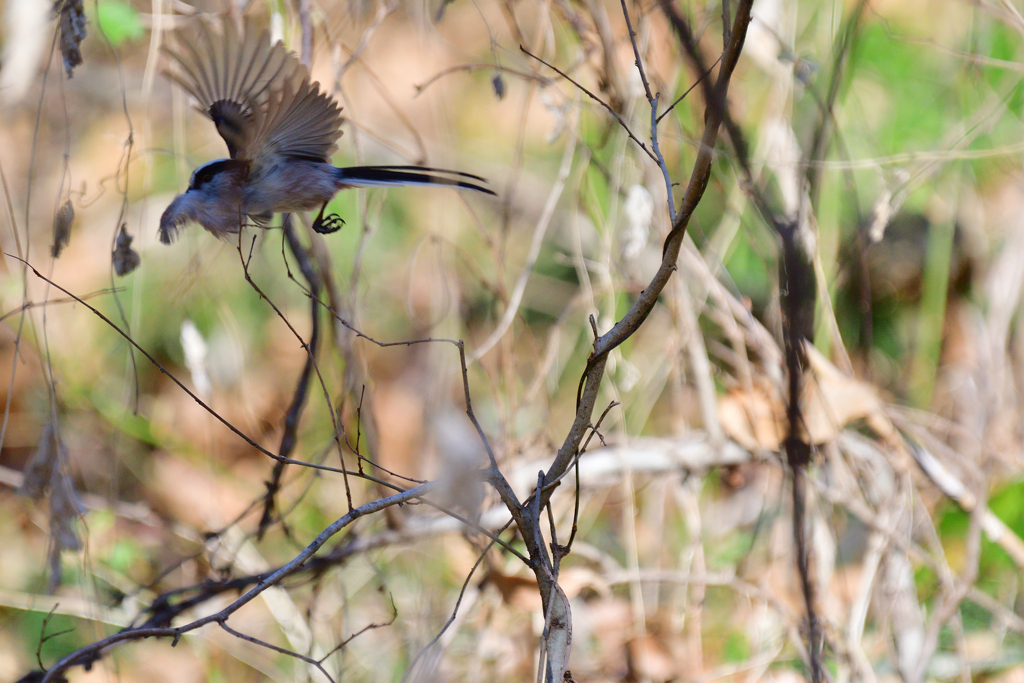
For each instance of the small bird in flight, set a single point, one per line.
(280, 131)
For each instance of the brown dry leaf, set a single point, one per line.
(195, 494)
(650, 659)
(601, 630)
(47, 472)
(754, 419)
(153, 664)
(1014, 675)
(401, 424)
(71, 17)
(833, 400)
(576, 580)
(983, 646)
(124, 256)
(17, 390)
(521, 592)
(790, 676)
(757, 419)
(39, 470)
(62, 222)
(65, 510)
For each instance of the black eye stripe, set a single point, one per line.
(206, 173)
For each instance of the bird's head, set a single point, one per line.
(213, 200)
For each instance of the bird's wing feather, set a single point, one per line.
(233, 76)
(299, 122)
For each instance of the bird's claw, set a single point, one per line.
(325, 225)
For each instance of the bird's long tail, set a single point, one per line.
(377, 176)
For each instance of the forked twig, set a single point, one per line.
(91, 652)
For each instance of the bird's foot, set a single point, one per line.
(325, 225)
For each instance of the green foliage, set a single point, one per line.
(57, 631)
(736, 648)
(1003, 43)
(934, 287)
(917, 97)
(729, 550)
(122, 555)
(1008, 505)
(996, 569)
(119, 21)
(134, 425)
(751, 266)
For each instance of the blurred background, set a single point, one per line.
(118, 486)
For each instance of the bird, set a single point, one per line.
(280, 131)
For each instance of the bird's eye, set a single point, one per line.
(201, 177)
(205, 174)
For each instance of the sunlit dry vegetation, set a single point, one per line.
(605, 326)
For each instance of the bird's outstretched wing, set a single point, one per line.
(232, 75)
(299, 122)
